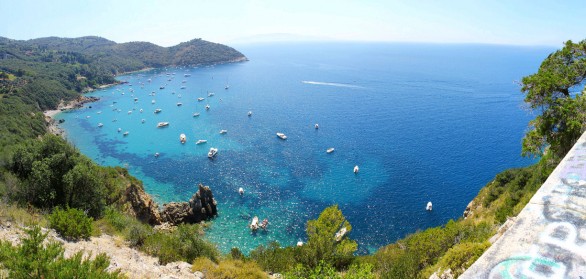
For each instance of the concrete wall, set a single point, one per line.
(548, 237)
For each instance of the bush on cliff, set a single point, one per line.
(33, 259)
(71, 223)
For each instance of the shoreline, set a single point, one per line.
(52, 125)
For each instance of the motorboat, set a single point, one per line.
(330, 150)
(281, 136)
(254, 223)
(140, 110)
(241, 191)
(119, 130)
(157, 154)
(223, 131)
(158, 110)
(100, 125)
(182, 87)
(356, 169)
(200, 99)
(179, 104)
(429, 206)
(249, 113)
(210, 94)
(227, 86)
(316, 126)
(135, 99)
(187, 75)
(207, 107)
(125, 133)
(341, 234)
(162, 87)
(212, 152)
(196, 114)
(153, 102)
(182, 138)
(143, 120)
(162, 124)
(201, 141)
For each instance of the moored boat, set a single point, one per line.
(162, 124)
(158, 110)
(100, 125)
(182, 138)
(223, 131)
(356, 169)
(212, 152)
(330, 150)
(201, 141)
(282, 136)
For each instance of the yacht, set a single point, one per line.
(135, 99)
(250, 113)
(281, 136)
(162, 87)
(182, 138)
(179, 104)
(213, 152)
(211, 94)
(119, 130)
(330, 150)
(187, 75)
(182, 87)
(241, 191)
(429, 206)
(254, 224)
(207, 107)
(158, 110)
(200, 99)
(100, 124)
(162, 124)
(196, 114)
(141, 110)
(125, 133)
(227, 86)
(143, 120)
(153, 102)
(223, 131)
(316, 126)
(356, 169)
(201, 141)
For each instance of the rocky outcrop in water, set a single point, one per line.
(201, 206)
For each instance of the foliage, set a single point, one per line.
(274, 258)
(71, 223)
(32, 259)
(563, 113)
(322, 243)
(53, 173)
(228, 269)
(459, 258)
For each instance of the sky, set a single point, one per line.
(167, 23)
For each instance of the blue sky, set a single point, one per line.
(166, 23)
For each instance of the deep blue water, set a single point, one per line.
(424, 122)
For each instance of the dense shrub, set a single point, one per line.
(33, 259)
(71, 223)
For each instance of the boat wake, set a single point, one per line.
(331, 84)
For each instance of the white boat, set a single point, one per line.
(153, 102)
(162, 124)
(100, 124)
(341, 234)
(140, 110)
(254, 224)
(119, 130)
(196, 114)
(429, 206)
(182, 138)
(250, 113)
(330, 150)
(356, 169)
(264, 224)
(223, 131)
(227, 86)
(135, 99)
(207, 107)
(211, 94)
(179, 104)
(143, 120)
(212, 152)
(99, 112)
(157, 154)
(158, 110)
(200, 99)
(162, 87)
(241, 191)
(201, 141)
(281, 136)
(316, 126)
(125, 133)
(129, 112)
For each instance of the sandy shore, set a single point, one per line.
(53, 127)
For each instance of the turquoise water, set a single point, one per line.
(423, 122)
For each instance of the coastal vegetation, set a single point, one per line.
(45, 180)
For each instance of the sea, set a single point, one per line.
(423, 122)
